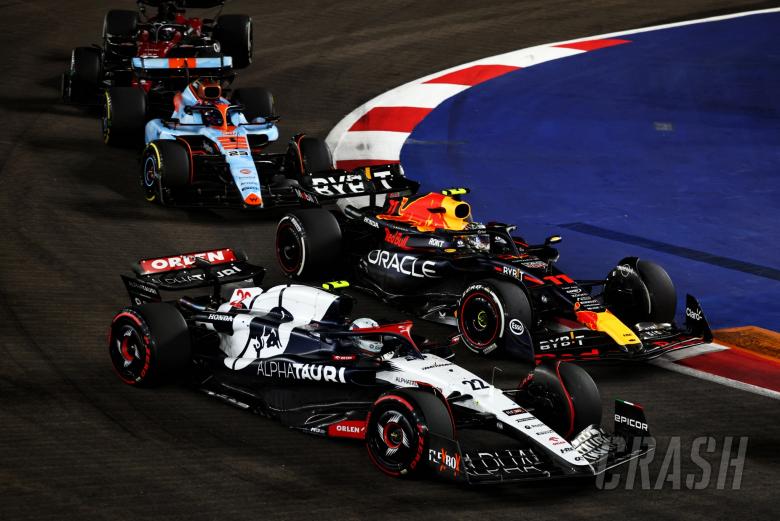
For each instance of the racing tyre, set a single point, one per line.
(149, 344)
(564, 397)
(488, 312)
(234, 34)
(257, 101)
(399, 427)
(308, 243)
(124, 116)
(165, 167)
(640, 291)
(81, 82)
(120, 23)
(310, 155)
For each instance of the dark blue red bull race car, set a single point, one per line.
(424, 253)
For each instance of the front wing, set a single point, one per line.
(451, 460)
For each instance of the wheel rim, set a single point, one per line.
(479, 320)
(129, 353)
(392, 440)
(289, 249)
(150, 178)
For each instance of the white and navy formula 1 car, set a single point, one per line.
(211, 153)
(291, 352)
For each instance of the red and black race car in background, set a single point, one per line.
(169, 33)
(425, 254)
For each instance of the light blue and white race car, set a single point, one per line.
(210, 153)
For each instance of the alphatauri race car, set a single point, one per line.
(135, 43)
(291, 352)
(425, 254)
(210, 153)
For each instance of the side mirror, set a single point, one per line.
(188, 110)
(552, 239)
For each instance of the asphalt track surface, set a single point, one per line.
(77, 444)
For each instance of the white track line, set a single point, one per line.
(728, 382)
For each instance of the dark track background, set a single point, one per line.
(76, 443)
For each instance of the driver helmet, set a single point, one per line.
(211, 117)
(166, 34)
(478, 241)
(370, 345)
(208, 89)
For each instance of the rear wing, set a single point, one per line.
(219, 67)
(362, 181)
(206, 269)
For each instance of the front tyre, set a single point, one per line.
(165, 166)
(489, 311)
(398, 429)
(564, 397)
(149, 344)
(639, 290)
(123, 116)
(308, 243)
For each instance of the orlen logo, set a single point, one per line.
(245, 171)
(695, 315)
(185, 261)
(636, 424)
(348, 429)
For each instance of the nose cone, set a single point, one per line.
(253, 200)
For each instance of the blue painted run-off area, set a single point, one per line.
(667, 148)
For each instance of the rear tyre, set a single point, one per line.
(308, 243)
(149, 344)
(80, 83)
(564, 397)
(165, 166)
(234, 34)
(124, 116)
(120, 23)
(398, 430)
(640, 291)
(257, 101)
(486, 312)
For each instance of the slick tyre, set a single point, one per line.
(257, 101)
(149, 344)
(399, 427)
(486, 312)
(234, 34)
(308, 243)
(312, 155)
(165, 167)
(123, 116)
(80, 83)
(564, 396)
(120, 23)
(640, 291)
